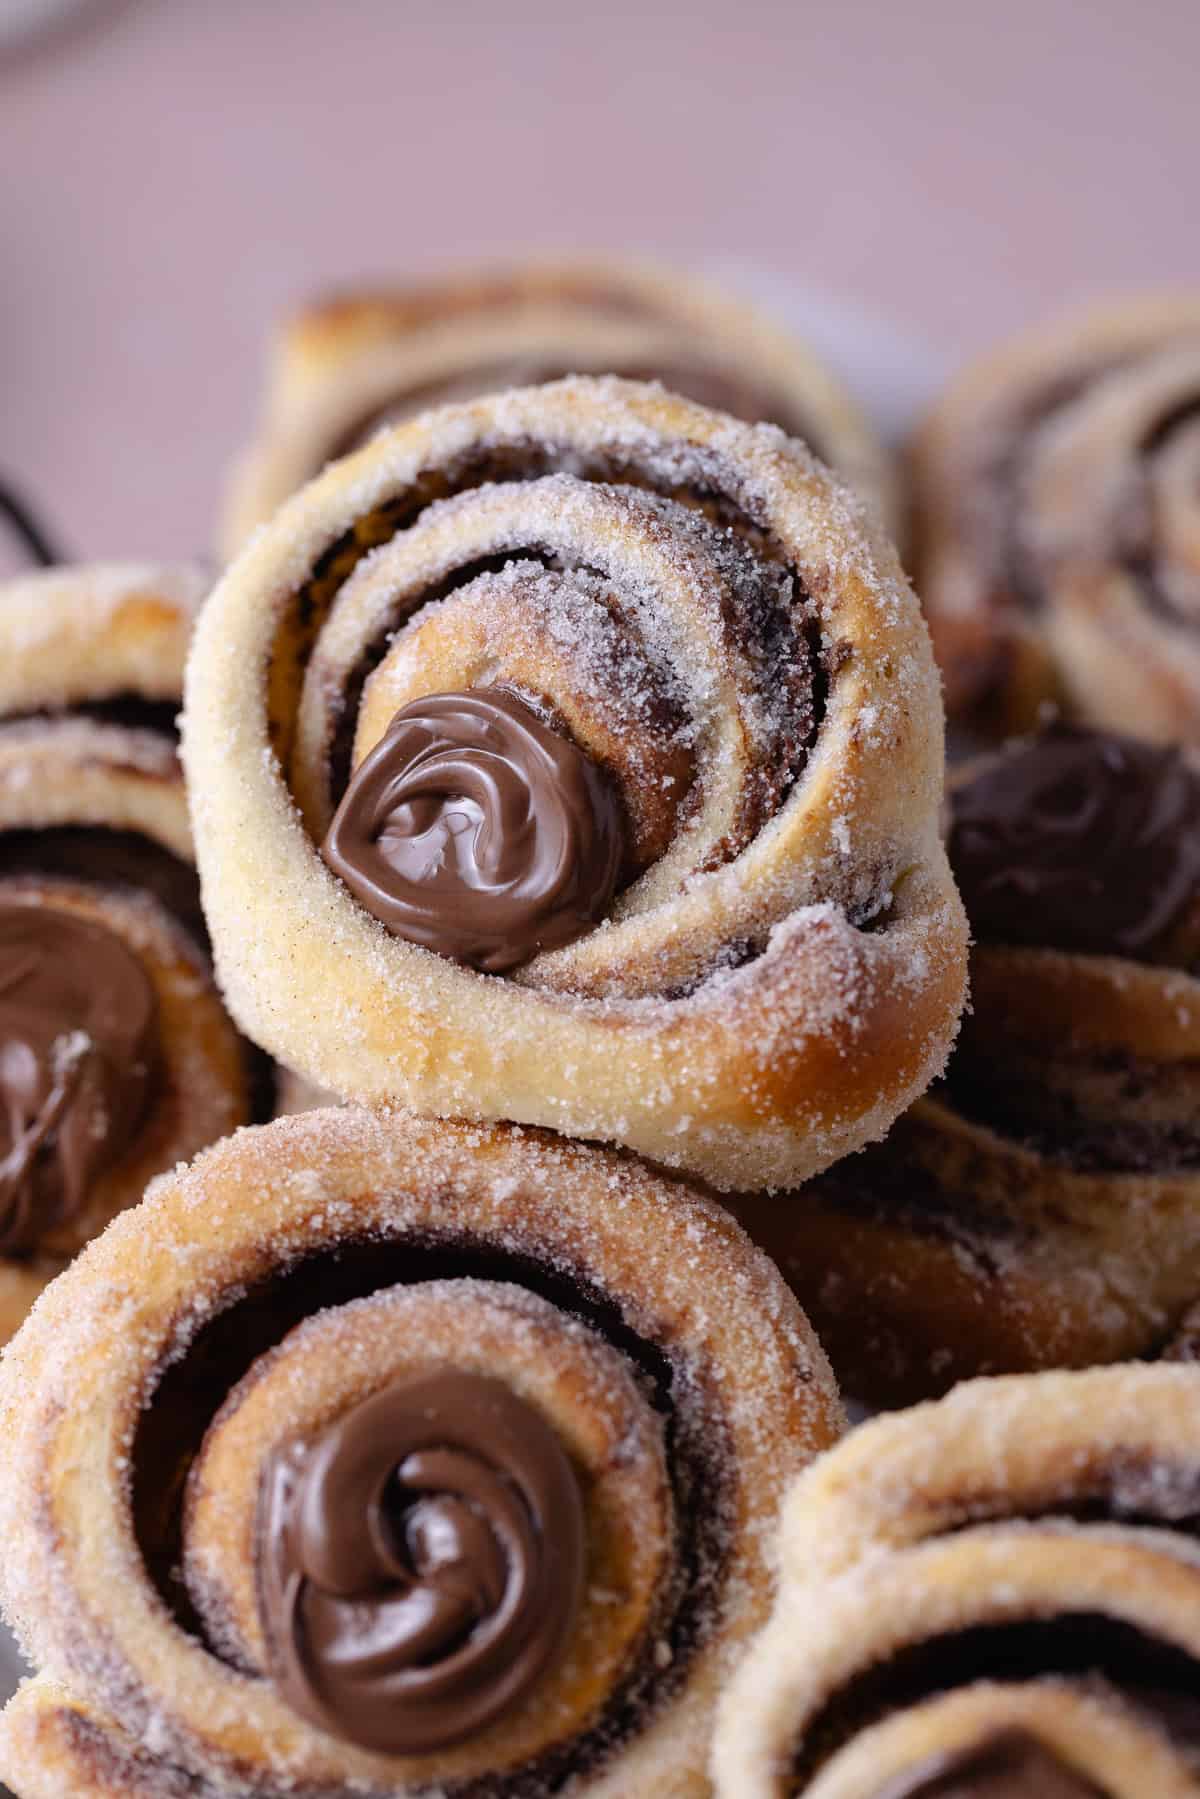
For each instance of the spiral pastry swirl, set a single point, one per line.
(392, 1456)
(447, 1508)
(748, 751)
(344, 369)
(995, 1595)
(117, 1056)
(1058, 526)
(1040, 1207)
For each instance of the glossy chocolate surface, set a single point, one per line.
(476, 830)
(421, 1563)
(1079, 840)
(79, 1055)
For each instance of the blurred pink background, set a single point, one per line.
(175, 173)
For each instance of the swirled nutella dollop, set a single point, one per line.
(1079, 840)
(79, 1055)
(421, 1563)
(1010, 1765)
(475, 829)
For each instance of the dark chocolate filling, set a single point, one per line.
(190, 1391)
(80, 1064)
(131, 711)
(1140, 558)
(422, 1561)
(1079, 840)
(476, 829)
(125, 1768)
(1003, 475)
(527, 463)
(885, 1184)
(97, 856)
(1158, 1677)
(1084, 1145)
(714, 491)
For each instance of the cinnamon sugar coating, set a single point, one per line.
(1058, 527)
(1040, 1206)
(94, 824)
(783, 969)
(299, 1267)
(1020, 1558)
(345, 368)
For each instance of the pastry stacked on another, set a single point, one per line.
(397, 1458)
(996, 1597)
(1057, 521)
(344, 370)
(1041, 1207)
(583, 749)
(117, 1056)
(570, 757)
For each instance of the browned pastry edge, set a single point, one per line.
(1022, 1557)
(749, 1388)
(789, 998)
(342, 362)
(1052, 537)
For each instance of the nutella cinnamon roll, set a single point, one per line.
(1041, 1206)
(117, 1057)
(397, 1458)
(573, 757)
(998, 1595)
(1057, 500)
(347, 368)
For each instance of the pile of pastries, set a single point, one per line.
(464, 1075)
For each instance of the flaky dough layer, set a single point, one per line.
(749, 1015)
(343, 361)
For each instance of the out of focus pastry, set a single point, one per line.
(344, 369)
(996, 1597)
(117, 1057)
(1057, 525)
(1041, 1206)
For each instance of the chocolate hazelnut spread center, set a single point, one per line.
(79, 1055)
(1080, 840)
(1009, 1765)
(475, 829)
(421, 1563)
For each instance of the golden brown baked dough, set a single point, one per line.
(252, 1307)
(79, 636)
(1005, 1582)
(94, 828)
(343, 368)
(1058, 527)
(714, 630)
(1040, 1207)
